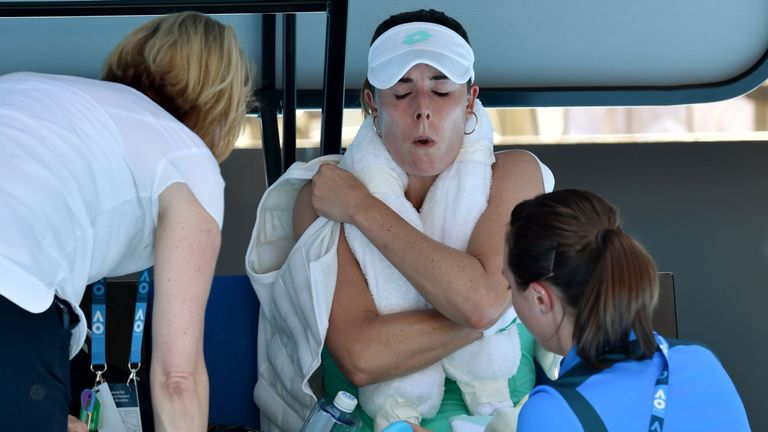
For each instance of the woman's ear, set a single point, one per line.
(474, 90)
(370, 100)
(544, 297)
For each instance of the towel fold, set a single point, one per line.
(466, 423)
(451, 208)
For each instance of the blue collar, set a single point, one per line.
(572, 358)
(660, 394)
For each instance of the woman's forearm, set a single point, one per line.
(457, 284)
(370, 347)
(467, 287)
(393, 345)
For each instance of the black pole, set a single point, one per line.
(154, 7)
(289, 90)
(333, 97)
(268, 104)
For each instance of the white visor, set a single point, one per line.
(406, 45)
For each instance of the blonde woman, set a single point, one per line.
(103, 178)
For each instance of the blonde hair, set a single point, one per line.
(193, 67)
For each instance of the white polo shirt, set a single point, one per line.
(82, 163)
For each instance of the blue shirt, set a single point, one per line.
(701, 396)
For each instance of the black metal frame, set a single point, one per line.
(269, 101)
(334, 98)
(154, 7)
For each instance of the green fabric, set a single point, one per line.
(453, 404)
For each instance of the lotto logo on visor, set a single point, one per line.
(417, 37)
(404, 46)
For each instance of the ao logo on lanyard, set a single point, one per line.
(114, 406)
(660, 390)
(567, 386)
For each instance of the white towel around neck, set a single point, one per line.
(450, 211)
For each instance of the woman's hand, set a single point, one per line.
(337, 194)
(75, 425)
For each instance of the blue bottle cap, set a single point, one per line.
(398, 426)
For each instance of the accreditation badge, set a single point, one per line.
(127, 403)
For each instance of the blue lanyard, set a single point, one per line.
(660, 390)
(99, 327)
(139, 316)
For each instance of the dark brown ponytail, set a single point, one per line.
(572, 239)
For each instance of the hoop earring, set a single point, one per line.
(376, 127)
(477, 120)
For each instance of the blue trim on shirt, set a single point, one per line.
(703, 394)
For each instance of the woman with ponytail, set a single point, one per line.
(587, 290)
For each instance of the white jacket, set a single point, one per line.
(295, 282)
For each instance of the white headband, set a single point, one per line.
(406, 45)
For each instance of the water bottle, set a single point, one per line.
(338, 416)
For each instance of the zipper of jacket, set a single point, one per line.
(316, 364)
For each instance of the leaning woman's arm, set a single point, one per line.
(466, 287)
(369, 347)
(186, 248)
